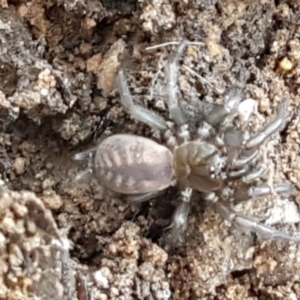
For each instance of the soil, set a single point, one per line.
(65, 239)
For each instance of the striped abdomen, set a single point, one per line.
(130, 164)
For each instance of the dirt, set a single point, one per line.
(64, 239)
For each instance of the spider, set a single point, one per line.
(207, 161)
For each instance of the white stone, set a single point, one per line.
(246, 109)
(283, 211)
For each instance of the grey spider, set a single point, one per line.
(207, 162)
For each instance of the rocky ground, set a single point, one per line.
(58, 61)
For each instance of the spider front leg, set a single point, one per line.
(249, 151)
(276, 125)
(171, 73)
(221, 115)
(137, 112)
(249, 224)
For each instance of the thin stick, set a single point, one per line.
(197, 75)
(172, 43)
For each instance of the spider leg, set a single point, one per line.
(284, 188)
(85, 155)
(232, 175)
(137, 112)
(249, 224)
(246, 175)
(85, 174)
(171, 73)
(255, 174)
(276, 125)
(143, 197)
(180, 218)
(220, 113)
(244, 159)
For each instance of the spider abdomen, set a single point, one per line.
(130, 164)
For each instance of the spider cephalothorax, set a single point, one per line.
(217, 154)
